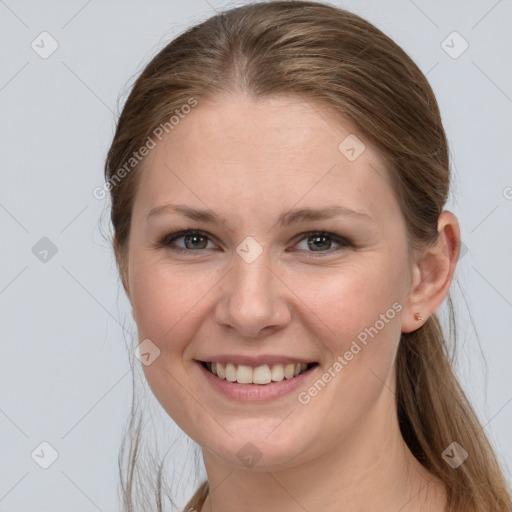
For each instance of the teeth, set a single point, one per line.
(277, 373)
(263, 374)
(244, 374)
(230, 372)
(289, 371)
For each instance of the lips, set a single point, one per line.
(260, 389)
(261, 374)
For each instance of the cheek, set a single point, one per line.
(170, 303)
(163, 299)
(360, 308)
(354, 297)
(167, 312)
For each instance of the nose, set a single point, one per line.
(254, 299)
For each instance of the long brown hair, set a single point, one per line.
(332, 56)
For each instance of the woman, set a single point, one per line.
(278, 177)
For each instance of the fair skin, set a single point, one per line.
(249, 161)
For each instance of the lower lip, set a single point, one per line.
(256, 392)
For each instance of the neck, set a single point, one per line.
(372, 469)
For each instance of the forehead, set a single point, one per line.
(241, 154)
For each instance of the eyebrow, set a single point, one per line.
(285, 219)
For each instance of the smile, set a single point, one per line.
(262, 375)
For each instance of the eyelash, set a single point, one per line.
(167, 241)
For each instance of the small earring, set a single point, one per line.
(418, 317)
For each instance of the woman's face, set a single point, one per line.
(260, 288)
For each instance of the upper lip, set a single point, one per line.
(259, 360)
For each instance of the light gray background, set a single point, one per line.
(65, 376)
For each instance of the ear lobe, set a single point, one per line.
(433, 273)
(413, 305)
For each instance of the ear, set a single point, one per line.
(432, 273)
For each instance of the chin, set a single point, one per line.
(254, 449)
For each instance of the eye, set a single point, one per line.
(317, 241)
(193, 240)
